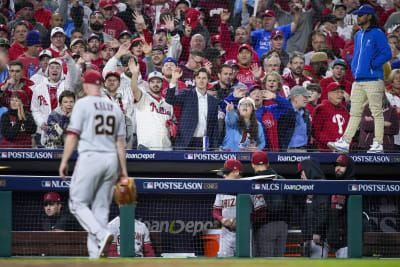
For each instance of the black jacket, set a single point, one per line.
(337, 227)
(315, 213)
(63, 221)
(286, 125)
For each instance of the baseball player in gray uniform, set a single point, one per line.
(97, 127)
(224, 209)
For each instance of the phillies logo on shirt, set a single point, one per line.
(340, 121)
(160, 110)
(42, 101)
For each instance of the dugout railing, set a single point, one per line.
(152, 187)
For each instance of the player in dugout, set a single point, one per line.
(143, 247)
(224, 209)
(56, 219)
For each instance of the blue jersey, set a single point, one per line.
(261, 39)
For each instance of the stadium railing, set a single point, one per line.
(178, 212)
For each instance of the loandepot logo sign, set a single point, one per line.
(298, 187)
(374, 187)
(292, 158)
(179, 226)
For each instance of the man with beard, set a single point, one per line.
(113, 25)
(295, 76)
(337, 226)
(152, 112)
(338, 71)
(122, 96)
(294, 127)
(26, 13)
(318, 66)
(96, 25)
(93, 49)
(46, 94)
(330, 118)
(106, 52)
(224, 84)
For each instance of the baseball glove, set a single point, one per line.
(125, 191)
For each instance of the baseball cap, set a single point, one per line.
(248, 99)
(216, 38)
(126, 32)
(77, 40)
(268, 13)
(259, 158)
(338, 5)
(276, 33)
(103, 45)
(334, 86)
(106, 3)
(254, 87)
(170, 59)
(113, 73)
(4, 42)
(26, 4)
(46, 52)
(55, 60)
(161, 28)
(186, 2)
(232, 62)
(232, 165)
(319, 57)
(56, 30)
(33, 38)
(158, 48)
(247, 46)
(93, 35)
(136, 41)
(392, 28)
(95, 13)
(341, 160)
(3, 27)
(299, 167)
(299, 90)
(192, 17)
(395, 64)
(92, 77)
(329, 18)
(340, 62)
(52, 196)
(364, 10)
(155, 74)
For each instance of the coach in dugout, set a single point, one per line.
(56, 219)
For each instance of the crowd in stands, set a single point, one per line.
(224, 75)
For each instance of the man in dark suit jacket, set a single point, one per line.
(199, 114)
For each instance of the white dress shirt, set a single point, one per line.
(201, 128)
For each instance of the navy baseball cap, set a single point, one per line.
(395, 64)
(170, 59)
(364, 10)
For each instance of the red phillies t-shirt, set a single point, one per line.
(114, 27)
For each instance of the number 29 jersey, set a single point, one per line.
(98, 122)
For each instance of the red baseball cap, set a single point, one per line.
(113, 73)
(333, 86)
(215, 38)
(3, 27)
(299, 167)
(276, 33)
(192, 17)
(269, 13)
(106, 3)
(232, 165)
(136, 40)
(92, 77)
(259, 158)
(247, 46)
(52, 196)
(341, 160)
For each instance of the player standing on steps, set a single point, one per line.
(97, 127)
